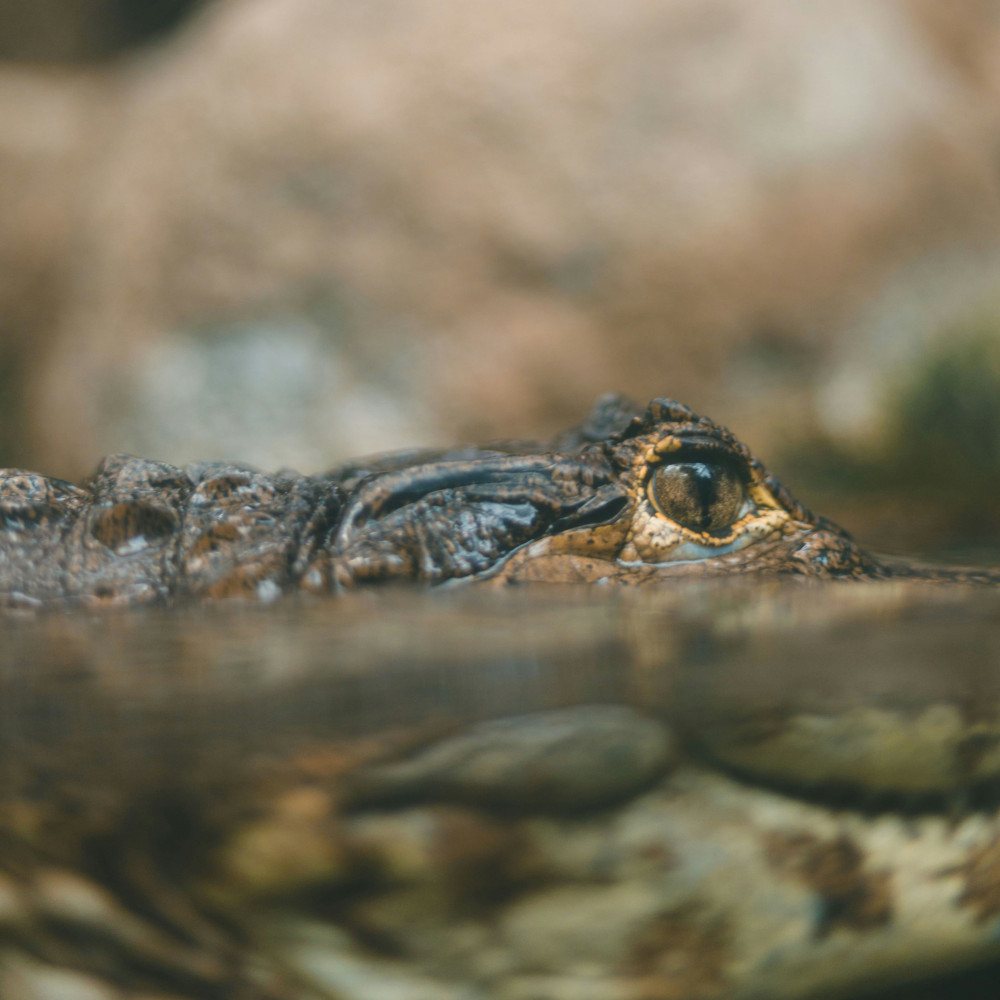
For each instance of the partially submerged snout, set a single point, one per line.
(632, 497)
(696, 504)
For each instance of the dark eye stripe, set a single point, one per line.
(704, 479)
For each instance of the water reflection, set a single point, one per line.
(780, 790)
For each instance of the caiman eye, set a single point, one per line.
(700, 496)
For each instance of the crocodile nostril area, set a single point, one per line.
(131, 526)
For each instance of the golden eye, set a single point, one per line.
(700, 496)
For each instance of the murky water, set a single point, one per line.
(780, 790)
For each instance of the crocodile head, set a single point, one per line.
(630, 496)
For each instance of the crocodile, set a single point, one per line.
(630, 496)
(713, 792)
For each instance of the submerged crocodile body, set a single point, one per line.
(708, 793)
(607, 795)
(630, 496)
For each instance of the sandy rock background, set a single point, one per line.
(290, 231)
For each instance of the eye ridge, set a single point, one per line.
(698, 492)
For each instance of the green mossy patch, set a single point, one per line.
(933, 482)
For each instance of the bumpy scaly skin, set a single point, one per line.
(142, 531)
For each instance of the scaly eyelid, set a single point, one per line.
(713, 545)
(673, 450)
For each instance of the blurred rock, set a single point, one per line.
(571, 759)
(321, 229)
(51, 124)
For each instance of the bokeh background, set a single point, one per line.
(292, 231)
